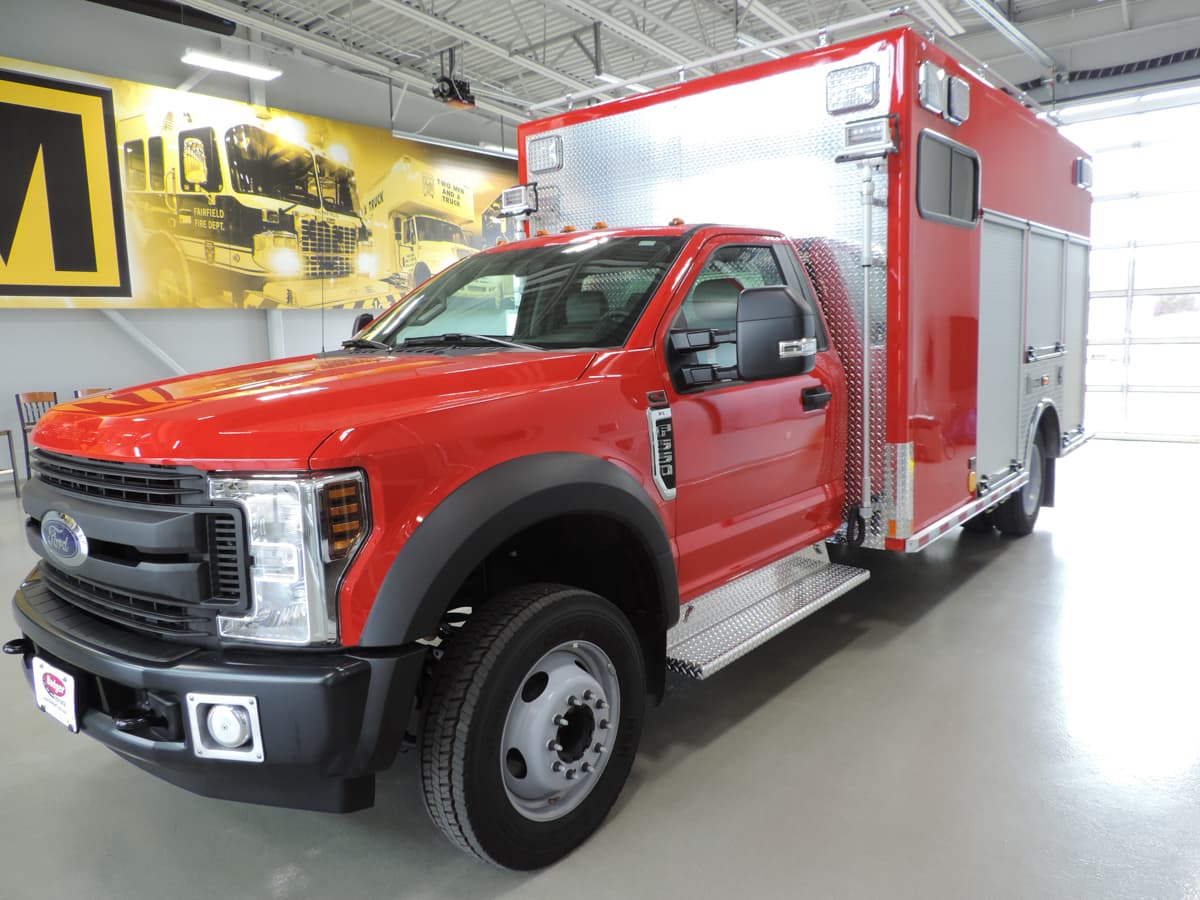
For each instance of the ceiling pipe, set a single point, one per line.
(986, 11)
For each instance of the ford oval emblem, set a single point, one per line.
(54, 685)
(63, 539)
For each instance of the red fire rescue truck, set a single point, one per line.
(495, 520)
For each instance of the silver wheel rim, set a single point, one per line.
(560, 730)
(1033, 488)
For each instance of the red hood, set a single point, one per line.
(275, 414)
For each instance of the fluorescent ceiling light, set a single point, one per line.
(752, 44)
(610, 79)
(636, 88)
(233, 66)
(485, 149)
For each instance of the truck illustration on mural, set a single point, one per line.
(224, 206)
(417, 214)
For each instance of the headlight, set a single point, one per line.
(284, 261)
(303, 533)
(366, 260)
(278, 252)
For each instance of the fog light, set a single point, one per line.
(225, 726)
(229, 726)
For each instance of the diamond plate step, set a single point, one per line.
(729, 622)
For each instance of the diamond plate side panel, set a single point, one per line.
(759, 154)
(900, 467)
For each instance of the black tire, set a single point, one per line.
(487, 667)
(1018, 514)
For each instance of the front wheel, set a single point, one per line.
(1017, 515)
(533, 724)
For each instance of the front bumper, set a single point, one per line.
(329, 721)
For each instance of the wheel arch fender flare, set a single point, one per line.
(498, 503)
(1045, 418)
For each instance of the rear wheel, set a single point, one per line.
(533, 724)
(1017, 515)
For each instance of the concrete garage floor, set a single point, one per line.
(993, 718)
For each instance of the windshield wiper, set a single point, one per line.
(461, 338)
(367, 342)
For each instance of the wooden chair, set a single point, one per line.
(12, 461)
(31, 406)
(80, 393)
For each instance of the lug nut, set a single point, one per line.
(574, 701)
(555, 746)
(600, 704)
(603, 724)
(570, 774)
(557, 767)
(599, 748)
(585, 768)
(588, 695)
(560, 721)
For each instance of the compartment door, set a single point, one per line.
(1074, 336)
(1001, 283)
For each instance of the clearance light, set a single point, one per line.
(567, 229)
(232, 66)
(676, 221)
(601, 224)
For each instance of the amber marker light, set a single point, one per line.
(676, 221)
(567, 229)
(600, 224)
(343, 518)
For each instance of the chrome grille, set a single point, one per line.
(130, 482)
(328, 251)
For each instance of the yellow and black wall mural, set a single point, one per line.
(128, 195)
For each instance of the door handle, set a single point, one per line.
(815, 397)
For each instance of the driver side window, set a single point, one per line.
(712, 301)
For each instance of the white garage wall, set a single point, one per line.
(72, 348)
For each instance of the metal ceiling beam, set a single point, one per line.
(437, 23)
(666, 27)
(990, 14)
(325, 48)
(766, 15)
(632, 35)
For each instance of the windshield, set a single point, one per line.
(438, 230)
(338, 189)
(264, 164)
(587, 293)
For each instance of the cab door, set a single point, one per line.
(758, 464)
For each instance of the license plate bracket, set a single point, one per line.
(54, 692)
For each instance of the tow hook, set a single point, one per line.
(17, 647)
(137, 718)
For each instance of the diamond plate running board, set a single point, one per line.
(729, 622)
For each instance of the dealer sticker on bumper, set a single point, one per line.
(54, 692)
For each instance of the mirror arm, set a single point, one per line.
(699, 376)
(697, 340)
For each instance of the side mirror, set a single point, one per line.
(361, 321)
(776, 334)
